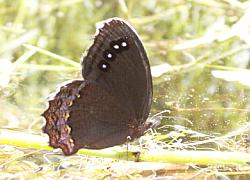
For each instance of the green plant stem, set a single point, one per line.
(50, 54)
(26, 140)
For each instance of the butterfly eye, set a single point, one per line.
(103, 66)
(109, 55)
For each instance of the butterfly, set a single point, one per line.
(112, 101)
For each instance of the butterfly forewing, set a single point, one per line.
(128, 75)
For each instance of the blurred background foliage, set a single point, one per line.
(194, 48)
(198, 51)
(191, 45)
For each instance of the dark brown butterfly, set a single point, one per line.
(114, 99)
